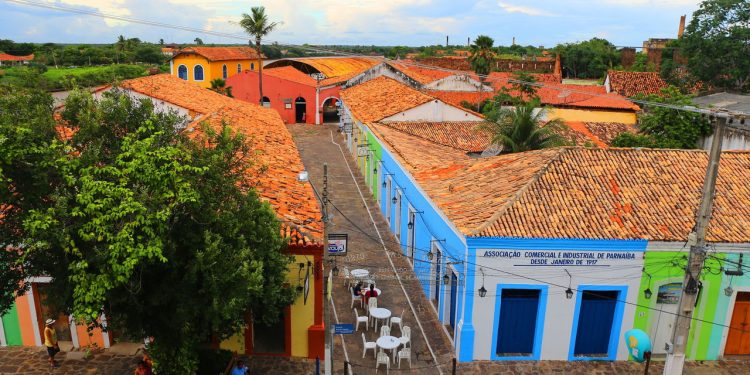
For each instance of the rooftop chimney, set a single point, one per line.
(446, 41)
(558, 67)
(682, 27)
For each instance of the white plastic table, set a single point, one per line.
(389, 343)
(360, 273)
(380, 313)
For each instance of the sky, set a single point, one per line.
(361, 22)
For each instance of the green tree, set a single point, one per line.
(628, 139)
(198, 41)
(672, 128)
(520, 129)
(257, 25)
(481, 58)
(132, 218)
(588, 59)
(717, 44)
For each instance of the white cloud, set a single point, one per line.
(113, 7)
(653, 3)
(529, 11)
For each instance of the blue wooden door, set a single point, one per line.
(454, 293)
(517, 326)
(595, 320)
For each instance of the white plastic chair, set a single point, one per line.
(404, 353)
(355, 298)
(383, 359)
(385, 331)
(406, 336)
(367, 346)
(397, 320)
(372, 303)
(362, 319)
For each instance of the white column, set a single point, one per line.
(73, 332)
(105, 334)
(3, 342)
(317, 105)
(34, 317)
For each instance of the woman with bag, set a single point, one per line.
(50, 341)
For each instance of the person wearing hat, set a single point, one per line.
(50, 341)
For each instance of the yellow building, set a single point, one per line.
(203, 64)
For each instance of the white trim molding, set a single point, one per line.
(34, 317)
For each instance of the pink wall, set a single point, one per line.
(245, 87)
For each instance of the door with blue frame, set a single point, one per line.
(595, 321)
(517, 323)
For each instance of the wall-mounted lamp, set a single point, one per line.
(394, 200)
(446, 279)
(410, 225)
(430, 255)
(569, 291)
(384, 185)
(375, 170)
(647, 293)
(482, 290)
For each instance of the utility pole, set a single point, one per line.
(689, 295)
(328, 355)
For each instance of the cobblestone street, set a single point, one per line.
(33, 361)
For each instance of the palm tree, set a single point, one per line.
(220, 86)
(481, 58)
(520, 129)
(258, 26)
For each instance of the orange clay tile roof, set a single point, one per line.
(293, 202)
(222, 53)
(461, 135)
(7, 57)
(381, 97)
(290, 74)
(633, 83)
(421, 74)
(577, 192)
(330, 66)
(558, 95)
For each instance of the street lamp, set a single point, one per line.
(429, 255)
(647, 293)
(482, 290)
(569, 291)
(410, 225)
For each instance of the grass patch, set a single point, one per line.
(59, 78)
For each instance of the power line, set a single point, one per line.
(712, 112)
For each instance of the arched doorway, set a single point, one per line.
(331, 110)
(266, 102)
(300, 110)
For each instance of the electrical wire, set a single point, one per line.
(712, 112)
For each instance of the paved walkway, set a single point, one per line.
(33, 361)
(367, 251)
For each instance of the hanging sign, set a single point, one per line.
(363, 150)
(337, 243)
(638, 344)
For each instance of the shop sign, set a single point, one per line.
(669, 294)
(529, 258)
(337, 243)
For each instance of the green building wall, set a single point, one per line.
(668, 267)
(11, 327)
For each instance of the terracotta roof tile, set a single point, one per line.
(461, 135)
(633, 83)
(421, 74)
(629, 194)
(222, 53)
(293, 202)
(576, 192)
(381, 97)
(7, 57)
(330, 66)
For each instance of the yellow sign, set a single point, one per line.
(329, 286)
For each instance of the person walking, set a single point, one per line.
(50, 341)
(239, 368)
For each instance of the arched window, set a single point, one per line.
(239, 68)
(182, 72)
(266, 102)
(224, 71)
(252, 66)
(198, 73)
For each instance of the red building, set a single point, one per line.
(290, 89)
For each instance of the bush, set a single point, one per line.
(627, 139)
